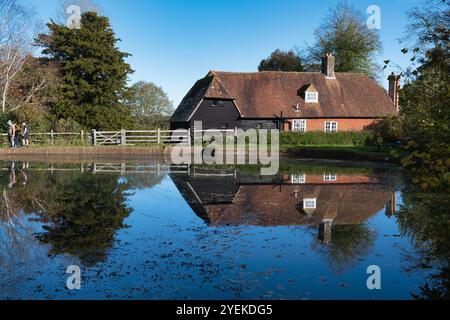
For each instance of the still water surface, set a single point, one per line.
(148, 230)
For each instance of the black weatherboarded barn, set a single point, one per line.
(208, 101)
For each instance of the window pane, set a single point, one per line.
(330, 126)
(311, 96)
(309, 203)
(298, 178)
(330, 177)
(299, 125)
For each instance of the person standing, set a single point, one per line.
(17, 134)
(25, 135)
(11, 134)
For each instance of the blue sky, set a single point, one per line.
(174, 42)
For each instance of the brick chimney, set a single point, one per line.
(328, 66)
(394, 87)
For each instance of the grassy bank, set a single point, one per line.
(318, 151)
(341, 152)
(87, 150)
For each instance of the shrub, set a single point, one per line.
(36, 116)
(390, 129)
(4, 117)
(359, 138)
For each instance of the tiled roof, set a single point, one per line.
(267, 94)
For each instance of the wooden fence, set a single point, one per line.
(122, 168)
(139, 137)
(121, 137)
(52, 137)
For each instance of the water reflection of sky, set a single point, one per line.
(164, 250)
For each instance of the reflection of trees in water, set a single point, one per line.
(16, 237)
(81, 211)
(142, 181)
(348, 244)
(17, 244)
(82, 214)
(425, 219)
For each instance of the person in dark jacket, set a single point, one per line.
(25, 135)
(17, 135)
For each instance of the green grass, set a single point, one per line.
(338, 151)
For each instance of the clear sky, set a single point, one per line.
(175, 42)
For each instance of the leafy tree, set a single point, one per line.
(150, 106)
(18, 28)
(282, 61)
(92, 71)
(33, 91)
(344, 33)
(425, 97)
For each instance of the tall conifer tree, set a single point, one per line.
(93, 72)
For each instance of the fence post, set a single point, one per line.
(123, 137)
(82, 134)
(189, 137)
(51, 137)
(159, 136)
(94, 137)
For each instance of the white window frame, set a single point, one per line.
(329, 177)
(311, 97)
(298, 178)
(309, 203)
(299, 125)
(332, 126)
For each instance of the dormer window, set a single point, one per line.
(311, 97)
(309, 93)
(309, 203)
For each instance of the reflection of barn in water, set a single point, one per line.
(235, 198)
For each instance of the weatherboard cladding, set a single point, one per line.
(267, 94)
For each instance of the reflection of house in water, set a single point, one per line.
(299, 199)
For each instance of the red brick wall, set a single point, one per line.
(340, 179)
(343, 124)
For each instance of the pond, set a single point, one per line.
(145, 229)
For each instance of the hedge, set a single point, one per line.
(359, 138)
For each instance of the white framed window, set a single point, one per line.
(298, 178)
(331, 126)
(309, 203)
(330, 177)
(299, 125)
(311, 97)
